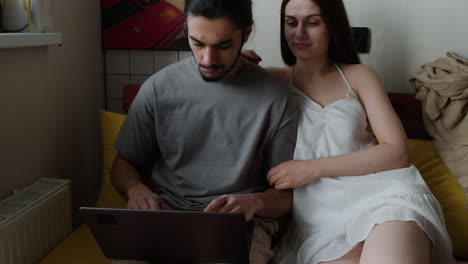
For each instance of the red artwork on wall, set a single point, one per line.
(143, 24)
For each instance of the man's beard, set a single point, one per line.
(215, 79)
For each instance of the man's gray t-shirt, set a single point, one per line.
(207, 139)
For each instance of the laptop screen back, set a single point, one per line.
(170, 236)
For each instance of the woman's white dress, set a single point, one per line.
(332, 215)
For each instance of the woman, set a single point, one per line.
(357, 199)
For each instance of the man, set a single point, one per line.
(212, 125)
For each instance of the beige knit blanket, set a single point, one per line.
(442, 86)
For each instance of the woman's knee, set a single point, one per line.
(397, 242)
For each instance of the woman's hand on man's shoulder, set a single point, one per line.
(251, 56)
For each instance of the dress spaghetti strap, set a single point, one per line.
(344, 78)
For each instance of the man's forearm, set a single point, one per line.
(124, 175)
(273, 203)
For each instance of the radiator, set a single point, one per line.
(34, 220)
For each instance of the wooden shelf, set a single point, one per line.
(21, 40)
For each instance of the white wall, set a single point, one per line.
(265, 38)
(48, 104)
(404, 34)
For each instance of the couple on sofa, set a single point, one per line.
(225, 135)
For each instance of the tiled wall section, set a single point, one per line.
(134, 67)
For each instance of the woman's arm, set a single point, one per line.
(391, 152)
(281, 74)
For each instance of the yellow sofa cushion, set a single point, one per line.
(445, 188)
(110, 126)
(78, 248)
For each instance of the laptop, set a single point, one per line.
(167, 236)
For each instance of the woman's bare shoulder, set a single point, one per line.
(360, 75)
(358, 71)
(282, 73)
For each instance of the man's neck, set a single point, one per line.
(238, 67)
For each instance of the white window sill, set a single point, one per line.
(21, 40)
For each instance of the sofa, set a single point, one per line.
(80, 246)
